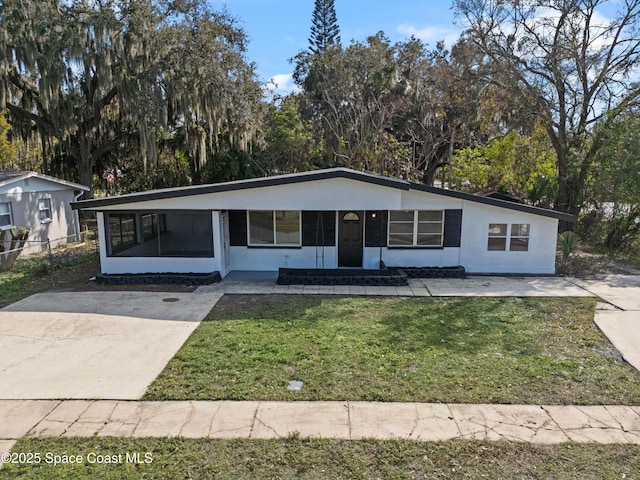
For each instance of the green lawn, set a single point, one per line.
(294, 458)
(454, 350)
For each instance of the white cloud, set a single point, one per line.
(281, 84)
(430, 35)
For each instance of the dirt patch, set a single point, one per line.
(77, 278)
(585, 264)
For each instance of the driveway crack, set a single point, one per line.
(213, 417)
(453, 417)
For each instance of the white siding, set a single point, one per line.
(408, 257)
(270, 259)
(475, 257)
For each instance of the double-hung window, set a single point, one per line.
(6, 220)
(519, 241)
(416, 228)
(274, 228)
(517, 237)
(44, 210)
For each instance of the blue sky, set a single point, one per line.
(279, 29)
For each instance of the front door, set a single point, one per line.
(350, 239)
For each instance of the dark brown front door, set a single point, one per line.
(350, 239)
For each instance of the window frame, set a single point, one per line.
(9, 214)
(274, 232)
(49, 216)
(504, 237)
(416, 227)
(509, 237)
(519, 237)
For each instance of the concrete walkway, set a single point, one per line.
(477, 286)
(340, 420)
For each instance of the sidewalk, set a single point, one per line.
(340, 420)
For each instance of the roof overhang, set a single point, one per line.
(520, 207)
(296, 178)
(262, 182)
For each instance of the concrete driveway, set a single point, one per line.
(619, 319)
(85, 345)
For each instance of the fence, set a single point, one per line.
(49, 249)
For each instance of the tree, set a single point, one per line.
(7, 149)
(290, 143)
(325, 31)
(396, 109)
(353, 95)
(513, 164)
(570, 64)
(614, 187)
(95, 79)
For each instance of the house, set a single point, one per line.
(325, 219)
(41, 203)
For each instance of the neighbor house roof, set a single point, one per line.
(11, 176)
(331, 173)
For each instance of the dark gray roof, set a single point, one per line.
(97, 204)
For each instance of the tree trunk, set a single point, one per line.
(85, 169)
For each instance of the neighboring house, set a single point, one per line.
(321, 219)
(41, 203)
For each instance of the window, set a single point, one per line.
(422, 228)
(6, 220)
(519, 237)
(518, 240)
(277, 228)
(44, 210)
(497, 236)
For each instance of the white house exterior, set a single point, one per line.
(322, 219)
(41, 203)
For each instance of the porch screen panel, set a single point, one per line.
(187, 235)
(122, 232)
(147, 234)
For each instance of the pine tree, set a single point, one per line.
(324, 27)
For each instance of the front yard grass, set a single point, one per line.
(453, 350)
(295, 458)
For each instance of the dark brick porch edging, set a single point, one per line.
(159, 278)
(311, 276)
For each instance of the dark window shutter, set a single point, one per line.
(238, 228)
(375, 234)
(452, 228)
(318, 229)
